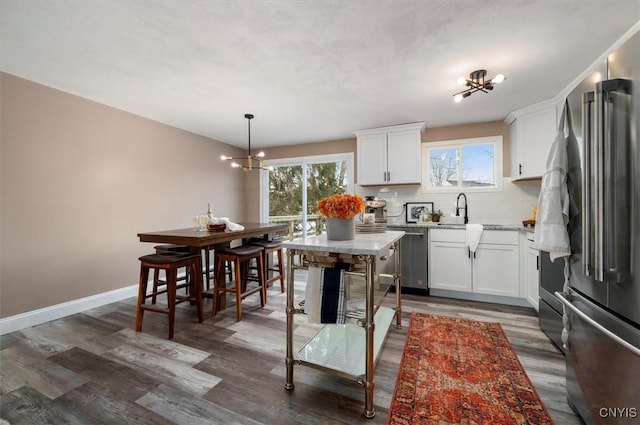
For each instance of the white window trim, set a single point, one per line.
(497, 143)
(301, 161)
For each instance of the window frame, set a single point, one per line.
(302, 161)
(498, 166)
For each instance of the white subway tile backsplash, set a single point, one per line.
(513, 204)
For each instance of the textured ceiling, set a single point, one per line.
(308, 70)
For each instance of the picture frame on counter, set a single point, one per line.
(414, 209)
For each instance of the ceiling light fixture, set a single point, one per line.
(476, 82)
(249, 160)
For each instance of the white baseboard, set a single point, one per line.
(36, 317)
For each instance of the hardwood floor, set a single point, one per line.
(92, 368)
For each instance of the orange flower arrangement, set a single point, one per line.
(341, 206)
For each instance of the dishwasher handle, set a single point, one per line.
(414, 234)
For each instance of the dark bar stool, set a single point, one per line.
(270, 247)
(170, 262)
(239, 257)
(183, 249)
(181, 282)
(207, 268)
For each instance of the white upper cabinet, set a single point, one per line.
(389, 155)
(532, 133)
(372, 159)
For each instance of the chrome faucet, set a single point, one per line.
(466, 207)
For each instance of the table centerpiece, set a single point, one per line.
(340, 211)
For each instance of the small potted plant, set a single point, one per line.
(435, 216)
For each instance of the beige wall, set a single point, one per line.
(79, 180)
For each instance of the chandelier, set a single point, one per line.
(249, 162)
(477, 82)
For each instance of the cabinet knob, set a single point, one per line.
(384, 257)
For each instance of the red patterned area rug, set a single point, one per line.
(462, 372)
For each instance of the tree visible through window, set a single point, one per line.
(285, 186)
(294, 187)
(468, 163)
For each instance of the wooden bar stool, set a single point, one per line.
(270, 247)
(170, 262)
(182, 282)
(207, 267)
(240, 258)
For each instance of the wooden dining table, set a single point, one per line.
(206, 240)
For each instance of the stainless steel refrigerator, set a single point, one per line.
(602, 302)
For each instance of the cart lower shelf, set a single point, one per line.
(343, 347)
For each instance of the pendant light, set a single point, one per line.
(249, 162)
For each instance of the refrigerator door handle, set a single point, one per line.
(606, 153)
(587, 104)
(598, 163)
(563, 297)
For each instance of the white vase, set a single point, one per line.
(341, 229)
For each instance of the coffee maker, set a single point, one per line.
(376, 206)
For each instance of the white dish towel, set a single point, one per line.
(231, 226)
(325, 298)
(472, 236)
(312, 299)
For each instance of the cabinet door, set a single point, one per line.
(372, 159)
(531, 276)
(449, 266)
(403, 157)
(496, 269)
(534, 134)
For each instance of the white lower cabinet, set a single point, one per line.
(449, 266)
(493, 269)
(531, 271)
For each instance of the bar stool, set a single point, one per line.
(239, 257)
(210, 272)
(170, 262)
(181, 282)
(270, 247)
(207, 268)
(172, 248)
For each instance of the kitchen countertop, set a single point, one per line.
(363, 244)
(460, 226)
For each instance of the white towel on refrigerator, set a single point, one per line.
(555, 206)
(472, 236)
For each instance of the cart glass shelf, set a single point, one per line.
(343, 347)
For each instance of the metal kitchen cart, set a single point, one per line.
(351, 349)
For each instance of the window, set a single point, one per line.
(469, 164)
(290, 191)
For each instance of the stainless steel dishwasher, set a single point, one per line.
(414, 248)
